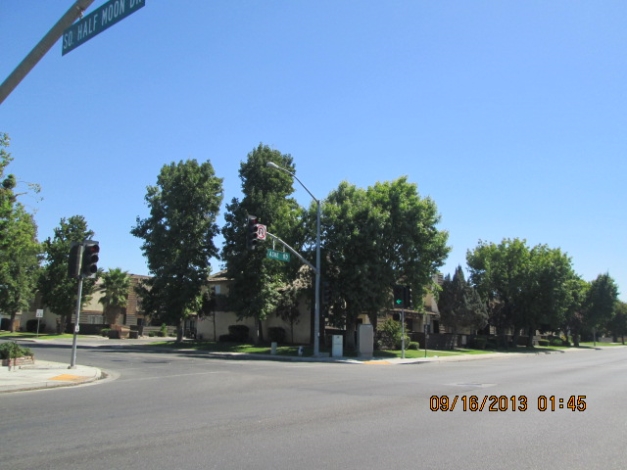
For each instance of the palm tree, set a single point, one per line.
(116, 285)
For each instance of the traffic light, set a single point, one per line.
(89, 267)
(74, 264)
(251, 241)
(402, 297)
(399, 297)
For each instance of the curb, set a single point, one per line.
(58, 376)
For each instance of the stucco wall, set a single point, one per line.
(224, 319)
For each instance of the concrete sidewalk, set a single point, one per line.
(45, 374)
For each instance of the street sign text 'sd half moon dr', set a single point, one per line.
(97, 21)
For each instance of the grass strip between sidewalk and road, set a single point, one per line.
(308, 352)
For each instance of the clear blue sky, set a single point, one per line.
(510, 115)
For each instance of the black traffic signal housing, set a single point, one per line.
(251, 240)
(74, 264)
(402, 297)
(89, 267)
(399, 296)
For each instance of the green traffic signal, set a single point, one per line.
(399, 296)
(402, 296)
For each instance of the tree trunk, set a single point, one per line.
(259, 335)
(515, 337)
(350, 335)
(13, 315)
(501, 338)
(179, 332)
(530, 338)
(112, 315)
(68, 323)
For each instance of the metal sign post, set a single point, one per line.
(39, 314)
(78, 310)
(426, 336)
(402, 334)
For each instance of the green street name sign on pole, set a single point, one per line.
(280, 255)
(97, 21)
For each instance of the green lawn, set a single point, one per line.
(21, 335)
(307, 350)
(590, 344)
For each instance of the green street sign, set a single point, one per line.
(280, 255)
(96, 22)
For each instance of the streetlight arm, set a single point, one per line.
(316, 338)
(277, 167)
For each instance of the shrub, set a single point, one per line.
(543, 342)
(12, 349)
(276, 334)
(239, 332)
(227, 339)
(105, 332)
(152, 334)
(388, 335)
(557, 342)
(164, 330)
(414, 345)
(31, 325)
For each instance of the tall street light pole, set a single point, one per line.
(316, 339)
(42, 47)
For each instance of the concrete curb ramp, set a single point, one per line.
(44, 375)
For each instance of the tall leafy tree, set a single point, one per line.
(58, 290)
(115, 287)
(411, 246)
(499, 272)
(373, 239)
(19, 263)
(547, 290)
(618, 323)
(254, 292)
(350, 232)
(460, 305)
(576, 307)
(526, 288)
(19, 248)
(601, 300)
(287, 308)
(178, 239)
(7, 185)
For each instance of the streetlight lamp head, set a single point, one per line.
(273, 165)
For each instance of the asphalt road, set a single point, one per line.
(184, 411)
